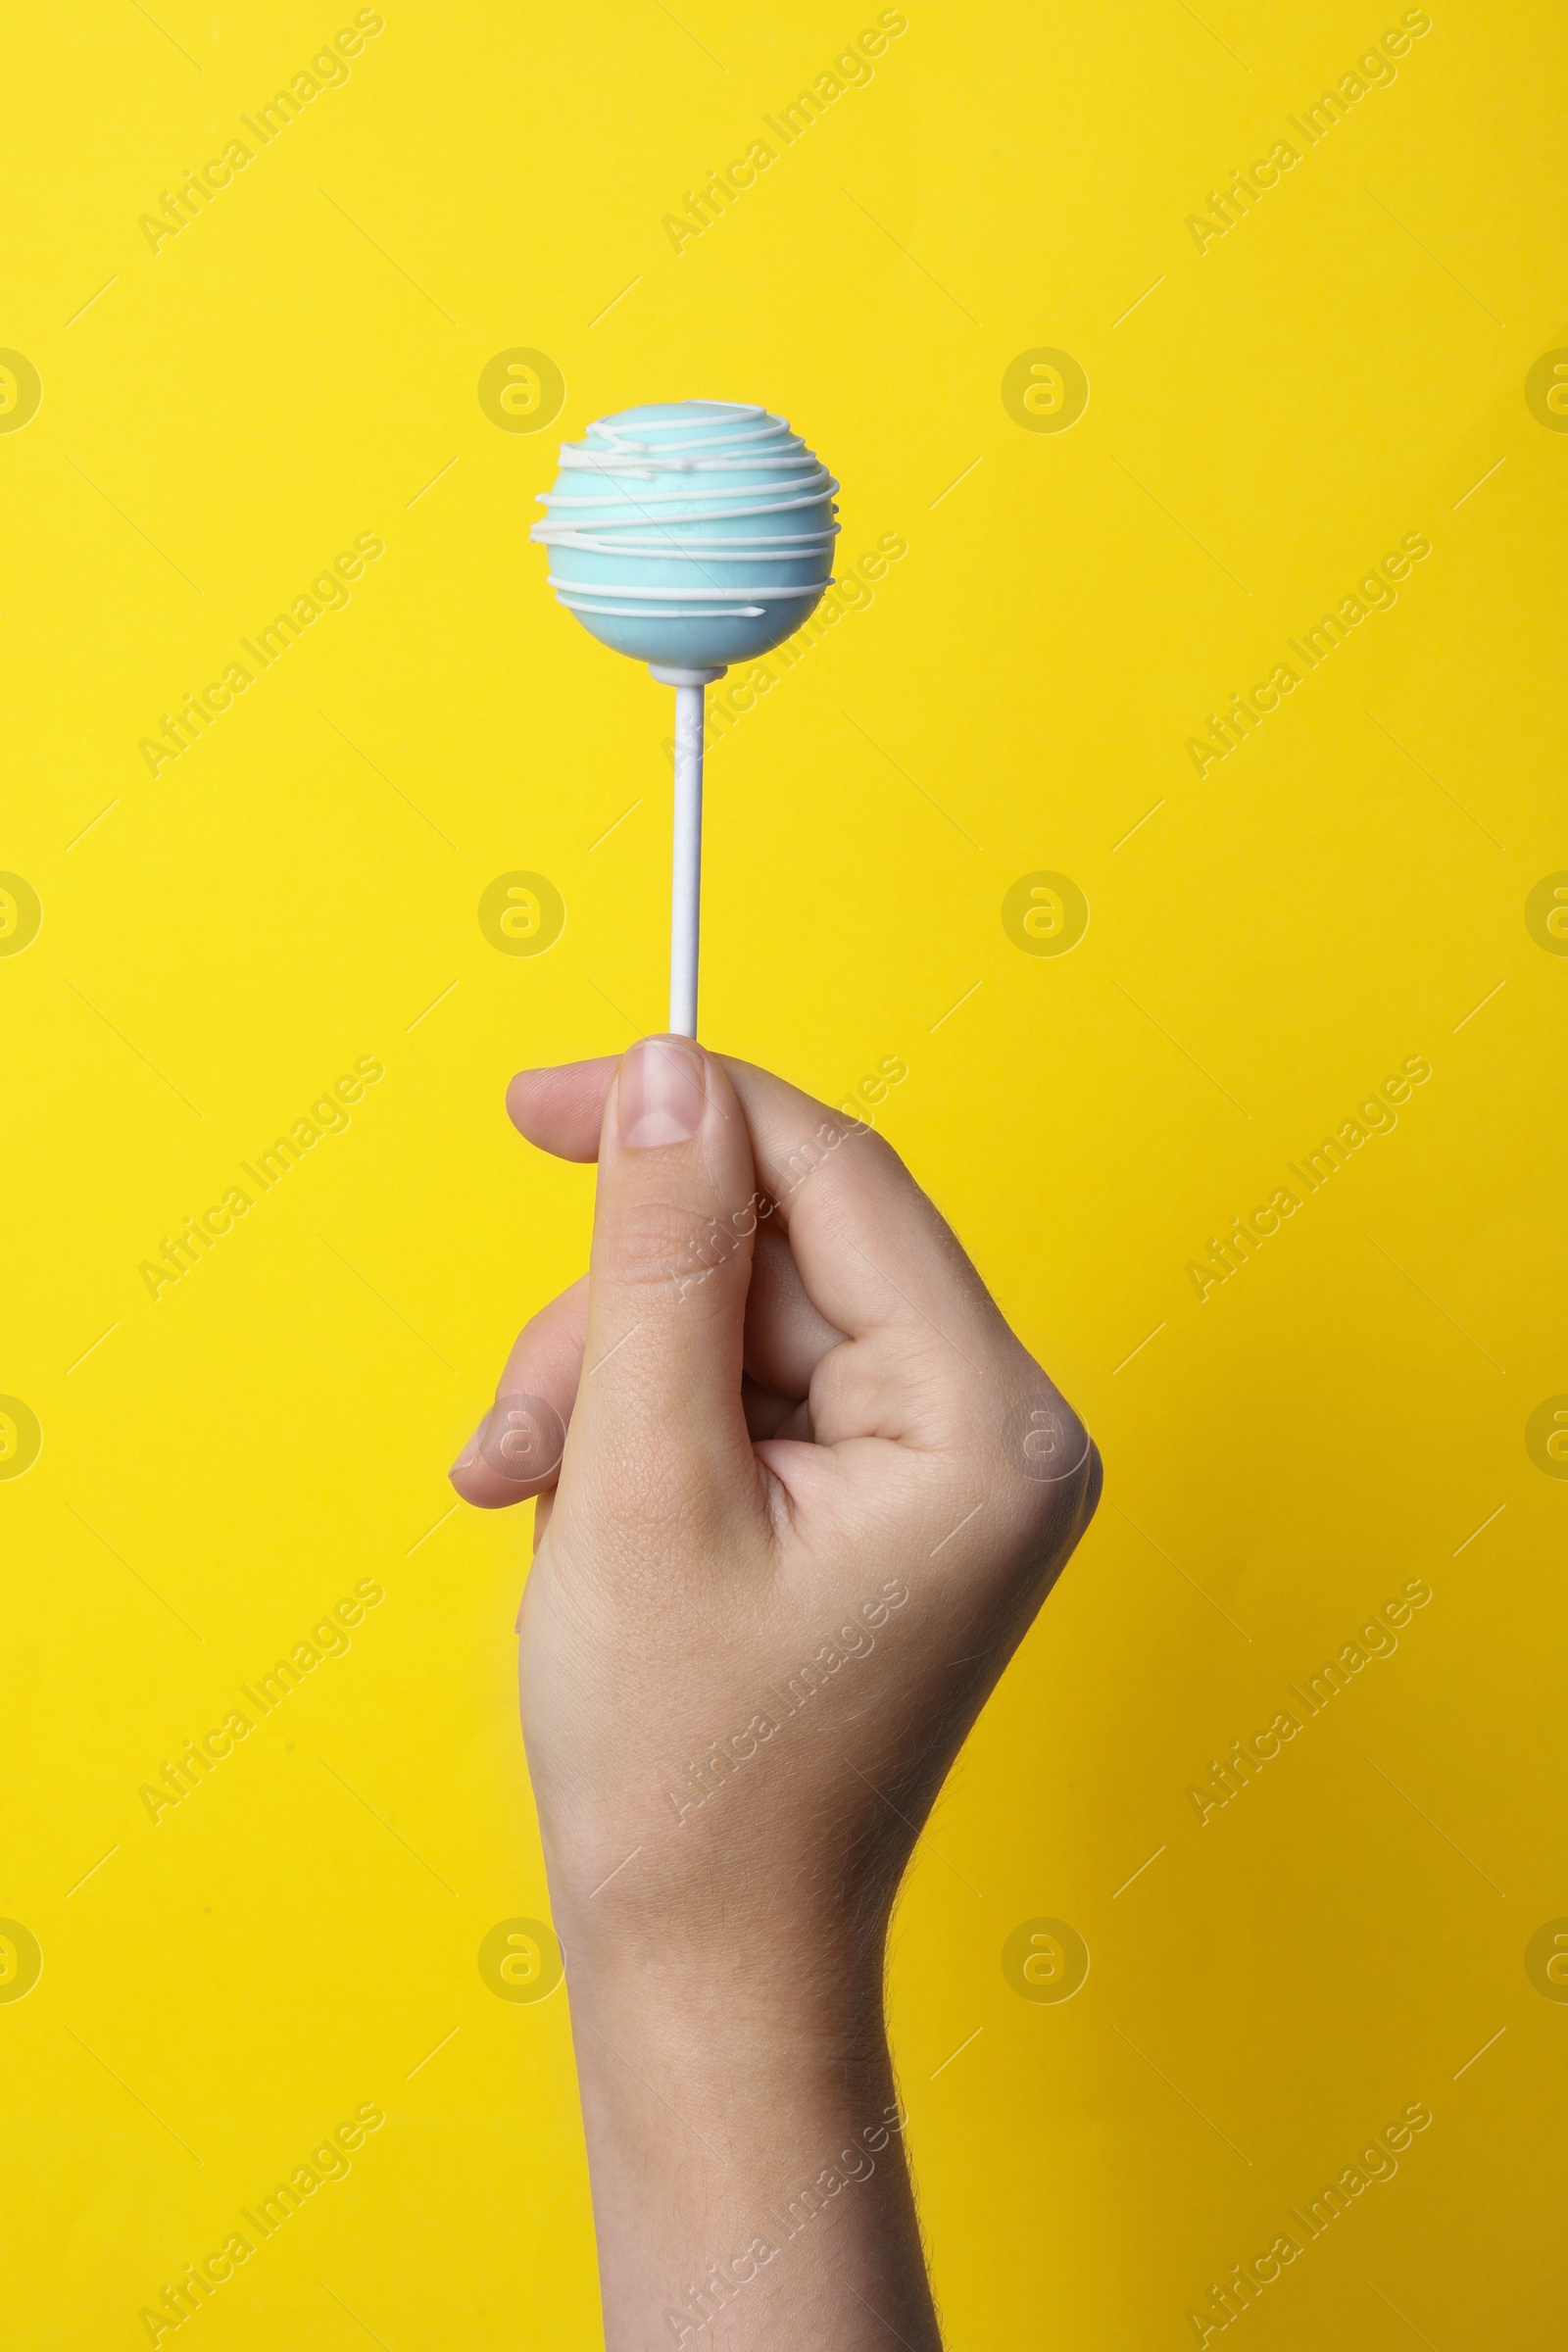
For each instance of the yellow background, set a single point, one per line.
(300, 887)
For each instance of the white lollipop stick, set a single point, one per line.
(686, 873)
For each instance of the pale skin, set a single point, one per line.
(805, 1439)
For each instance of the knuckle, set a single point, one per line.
(655, 1242)
(1051, 1459)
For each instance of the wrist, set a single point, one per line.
(791, 1998)
(720, 1933)
(747, 2154)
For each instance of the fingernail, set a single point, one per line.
(661, 1094)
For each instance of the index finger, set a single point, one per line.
(871, 1248)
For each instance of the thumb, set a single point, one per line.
(659, 1422)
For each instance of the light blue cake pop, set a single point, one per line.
(690, 533)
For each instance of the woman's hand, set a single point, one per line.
(813, 1493)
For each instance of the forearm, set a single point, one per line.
(745, 2145)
